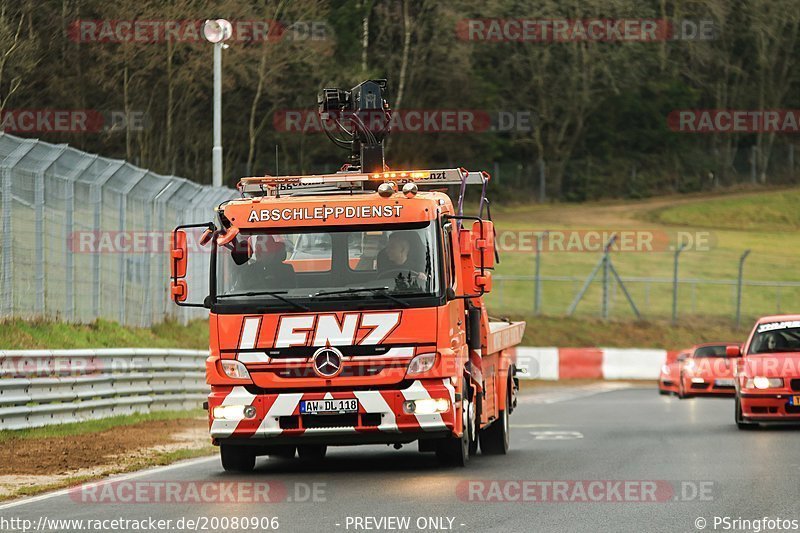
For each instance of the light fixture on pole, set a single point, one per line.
(216, 32)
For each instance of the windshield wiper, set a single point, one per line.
(274, 294)
(383, 291)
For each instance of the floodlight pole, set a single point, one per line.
(216, 151)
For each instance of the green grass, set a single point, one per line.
(17, 334)
(770, 212)
(764, 222)
(96, 426)
(589, 331)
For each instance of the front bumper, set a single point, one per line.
(769, 408)
(380, 416)
(712, 385)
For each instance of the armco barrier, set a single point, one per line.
(590, 363)
(43, 387)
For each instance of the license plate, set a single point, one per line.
(794, 400)
(328, 407)
(725, 383)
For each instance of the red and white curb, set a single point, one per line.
(589, 363)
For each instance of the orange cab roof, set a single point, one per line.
(338, 209)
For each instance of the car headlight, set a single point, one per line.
(234, 369)
(698, 380)
(421, 363)
(665, 369)
(761, 382)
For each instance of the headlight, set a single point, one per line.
(426, 406)
(760, 382)
(234, 369)
(698, 380)
(234, 412)
(665, 369)
(421, 363)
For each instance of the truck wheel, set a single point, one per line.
(475, 423)
(312, 452)
(494, 439)
(454, 451)
(237, 458)
(740, 422)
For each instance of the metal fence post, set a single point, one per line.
(605, 284)
(675, 283)
(7, 279)
(38, 225)
(537, 297)
(739, 288)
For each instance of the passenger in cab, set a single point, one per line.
(269, 271)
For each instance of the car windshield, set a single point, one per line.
(710, 351)
(776, 337)
(364, 265)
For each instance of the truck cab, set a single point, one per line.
(343, 314)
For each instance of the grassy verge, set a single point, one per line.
(765, 223)
(587, 332)
(158, 459)
(19, 334)
(95, 426)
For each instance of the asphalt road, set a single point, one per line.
(702, 466)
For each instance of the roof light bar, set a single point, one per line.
(287, 185)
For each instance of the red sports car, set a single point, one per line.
(707, 372)
(671, 371)
(768, 373)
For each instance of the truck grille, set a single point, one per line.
(348, 420)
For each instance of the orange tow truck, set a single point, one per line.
(347, 309)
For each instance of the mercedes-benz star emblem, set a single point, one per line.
(327, 362)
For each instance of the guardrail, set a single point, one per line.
(43, 387)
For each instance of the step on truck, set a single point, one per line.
(348, 308)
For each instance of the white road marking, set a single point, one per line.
(571, 393)
(114, 479)
(557, 435)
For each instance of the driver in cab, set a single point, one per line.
(403, 256)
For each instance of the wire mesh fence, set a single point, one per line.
(653, 297)
(85, 237)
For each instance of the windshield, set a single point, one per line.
(388, 267)
(710, 351)
(776, 337)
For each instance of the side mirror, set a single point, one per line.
(483, 243)
(483, 281)
(179, 258)
(733, 351)
(179, 290)
(178, 254)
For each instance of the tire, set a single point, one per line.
(454, 451)
(312, 452)
(739, 418)
(495, 438)
(475, 423)
(663, 392)
(237, 458)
